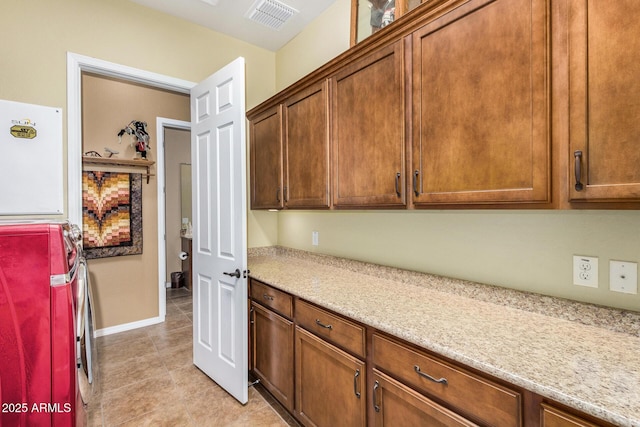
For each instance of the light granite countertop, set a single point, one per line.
(584, 356)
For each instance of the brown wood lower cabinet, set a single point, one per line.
(272, 358)
(395, 404)
(330, 384)
(316, 363)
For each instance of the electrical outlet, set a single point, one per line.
(623, 277)
(585, 271)
(314, 238)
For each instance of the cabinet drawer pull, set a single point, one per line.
(398, 184)
(278, 195)
(267, 297)
(429, 377)
(355, 383)
(251, 315)
(578, 155)
(319, 323)
(415, 182)
(376, 386)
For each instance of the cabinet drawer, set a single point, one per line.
(342, 332)
(470, 394)
(270, 297)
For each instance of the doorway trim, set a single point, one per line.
(76, 65)
(163, 123)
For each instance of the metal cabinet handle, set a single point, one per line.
(429, 377)
(398, 184)
(376, 386)
(267, 297)
(235, 274)
(251, 315)
(415, 182)
(319, 323)
(355, 383)
(278, 195)
(578, 155)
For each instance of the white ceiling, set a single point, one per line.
(228, 17)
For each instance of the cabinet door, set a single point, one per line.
(480, 105)
(553, 417)
(266, 160)
(367, 119)
(273, 353)
(604, 89)
(307, 148)
(397, 405)
(329, 384)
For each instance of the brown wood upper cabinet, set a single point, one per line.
(604, 89)
(367, 114)
(265, 133)
(306, 124)
(480, 105)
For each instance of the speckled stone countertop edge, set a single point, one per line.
(613, 319)
(606, 320)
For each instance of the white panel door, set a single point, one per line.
(218, 157)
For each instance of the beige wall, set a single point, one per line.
(322, 40)
(36, 37)
(519, 249)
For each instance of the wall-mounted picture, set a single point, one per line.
(111, 214)
(370, 16)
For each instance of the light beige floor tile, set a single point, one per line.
(123, 351)
(178, 357)
(172, 414)
(191, 381)
(186, 308)
(172, 309)
(148, 378)
(262, 418)
(171, 322)
(114, 376)
(137, 399)
(121, 337)
(94, 415)
(224, 410)
(173, 293)
(173, 339)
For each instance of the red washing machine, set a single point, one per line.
(45, 325)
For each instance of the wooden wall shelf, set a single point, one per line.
(105, 161)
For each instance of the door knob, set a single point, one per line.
(235, 274)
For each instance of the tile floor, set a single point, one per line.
(147, 378)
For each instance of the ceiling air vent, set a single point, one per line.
(271, 13)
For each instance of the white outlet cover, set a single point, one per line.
(585, 271)
(623, 277)
(314, 238)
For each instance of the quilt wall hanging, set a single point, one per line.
(111, 214)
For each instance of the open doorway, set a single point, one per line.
(121, 311)
(174, 201)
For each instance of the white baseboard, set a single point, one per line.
(127, 326)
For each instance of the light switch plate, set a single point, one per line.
(623, 277)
